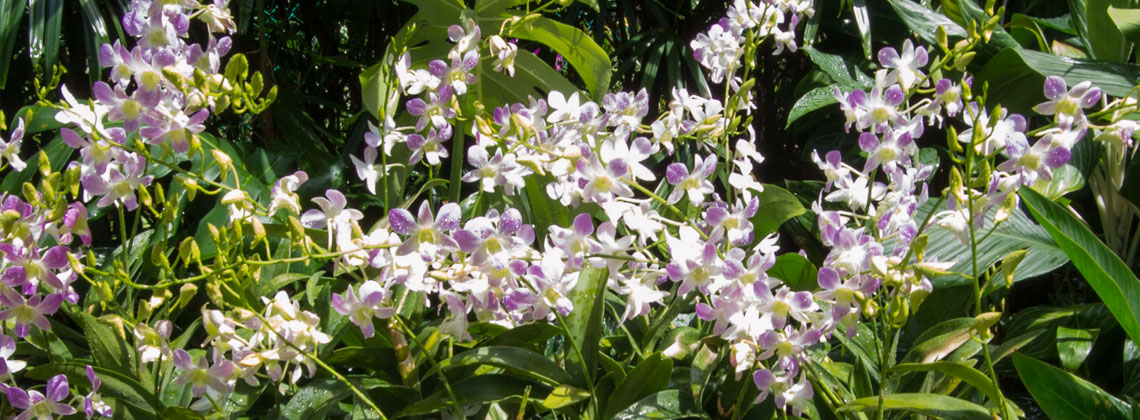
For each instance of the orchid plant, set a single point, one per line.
(613, 256)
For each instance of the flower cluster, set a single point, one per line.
(149, 94)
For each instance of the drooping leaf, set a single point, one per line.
(1063, 395)
(962, 371)
(1127, 21)
(925, 22)
(1105, 39)
(935, 405)
(795, 271)
(842, 71)
(1110, 277)
(516, 360)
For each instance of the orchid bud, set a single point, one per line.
(185, 294)
(1009, 265)
(941, 38)
(1005, 210)
(188, 251)
(918, 245)
(45, 163)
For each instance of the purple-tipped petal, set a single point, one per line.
(583, 224)
(1057, 157)
(889, 57)
(763, 378)
(449, 216)
(401, 221)
(18, 398)
(1090, 98)
(467, 240)
(675, 173)
(1055, 87)
(868, 141)
(894, 95)
(57, 388)
(828, 278)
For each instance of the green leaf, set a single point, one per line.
(585, 324)
(650, 376)
(479, 389)
(1063, 395)
(535, 333)
(972, 376)
(925, 22)
(777, 206)
(815, 99)
(670, 404)
(109, 350)
(795, 271)
(934, 405)
(1014, 72)
(863, 22)
(179, 413)
(1131, 371)
(124, 388)
(1110, 277)
(841, 71)
(314, 399)
(10, 14)
(1066, 179)
(1074, 345)
(940, 340)
(564, 395)
(1018, 232)
(541, 210)
(517, 360)
(533, 78)
(1127, 21)
(587, 58)
(378, 88)
(1105, 39)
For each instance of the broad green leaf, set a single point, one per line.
(925, 22)
(1074, 345)
(1010, 345)
(517, 360)
(841, 71)
(1127, 21)
(1063, 395)
(540, 210)
(670, 404)
(1131, 371)
(58, 154)
(533, 78)
(815, 99)
(585, 324)
(1105, 38)
(314, 399)
(971, 376)
(1110, 277)
(777, 206)
(180, 413)
(795, 271)
(1016, 233)
(934, 405)
(1014, 72)
(1066, 179)
(650, 376)
(587, 58)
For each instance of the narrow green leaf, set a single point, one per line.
(479, 389)
(585, 324)
(109, 350)
(972, 376)
(670, 404)
(1110, 277)
(925, 22)
(863, 22)
(1063, 395)
(649, 377)
(934, 405)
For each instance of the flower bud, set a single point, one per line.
(185, 295)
